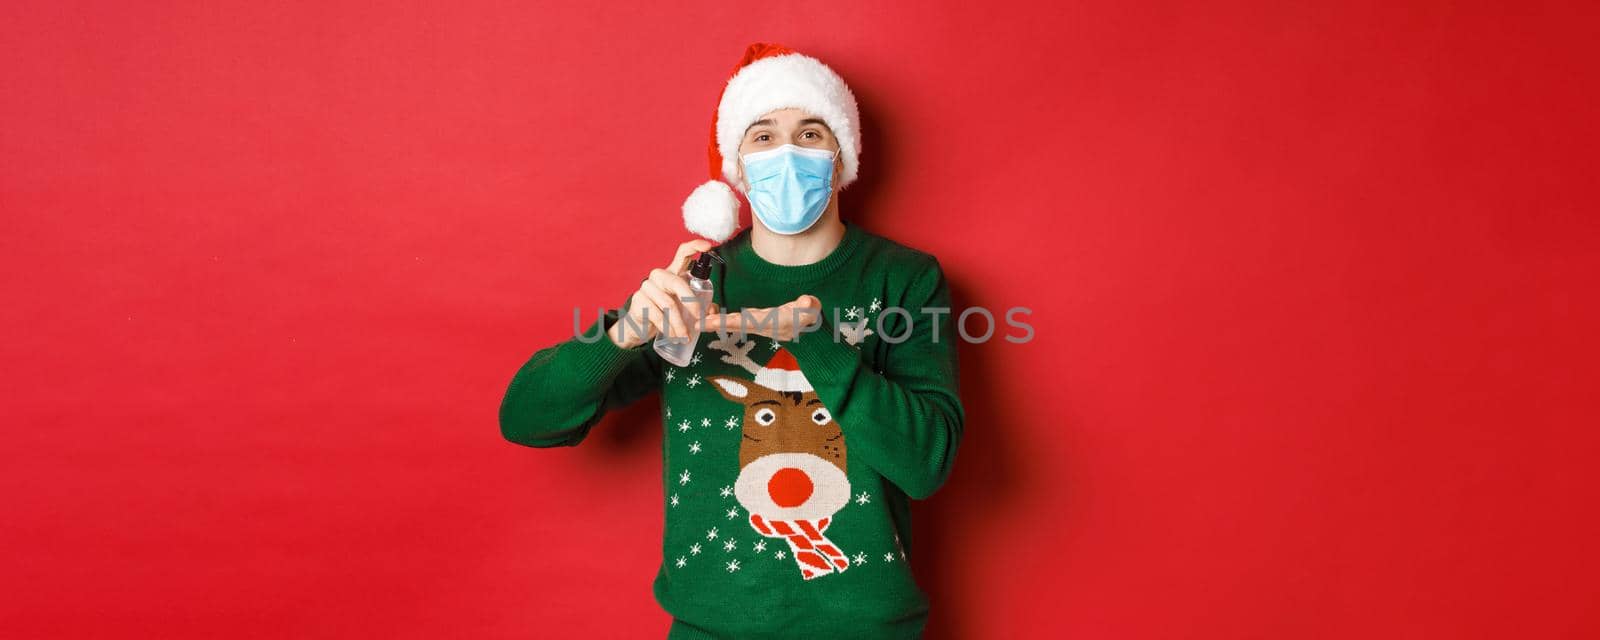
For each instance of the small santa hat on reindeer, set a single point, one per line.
(769, 77)
(782, 373)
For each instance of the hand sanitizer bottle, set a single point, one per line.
(679, 351)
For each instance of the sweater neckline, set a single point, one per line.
(745, 255)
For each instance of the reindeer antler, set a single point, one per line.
(855, 333)
(737, 355)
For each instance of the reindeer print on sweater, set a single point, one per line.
(792, 457)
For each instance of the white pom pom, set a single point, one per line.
(712, 211)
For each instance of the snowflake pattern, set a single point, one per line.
(674, 500)
(733, 565)
(761, 546)
(712, 534)
(861, 557)
(694, 549)
(729, 545)
(727, 491)
(705, 422)
(670, 375)
(683, 478)
(875, 306)
(853, 313)
(733, 513)
(695, 360)
(888, 557)
(682, 561)
(693, 381)
(695, 447)
(683, 426)
(781, 554)
(731, 424)
(863, 498)
(773, 344)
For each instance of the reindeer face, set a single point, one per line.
(792, 455)
(783, 422)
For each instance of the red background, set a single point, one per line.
(1313, 291)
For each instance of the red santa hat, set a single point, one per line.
(769, 77)
(782, 373)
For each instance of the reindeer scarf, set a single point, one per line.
(814, 552)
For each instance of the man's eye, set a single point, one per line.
(813, 133)
(761, 137)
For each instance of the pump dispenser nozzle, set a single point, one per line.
(702, 265)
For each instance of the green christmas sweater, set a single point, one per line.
(787, 466)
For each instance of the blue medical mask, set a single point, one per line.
(789, 186)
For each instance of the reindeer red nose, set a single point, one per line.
(789, 487)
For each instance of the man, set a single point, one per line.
(813, 410)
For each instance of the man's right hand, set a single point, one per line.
(659, 306)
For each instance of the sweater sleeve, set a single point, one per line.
(566, 388)
(906, 421)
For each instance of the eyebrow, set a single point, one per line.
(769, 122)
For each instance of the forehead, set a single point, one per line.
(787, 118)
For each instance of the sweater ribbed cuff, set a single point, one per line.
(822, 352)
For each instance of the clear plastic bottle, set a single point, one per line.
(680, 351)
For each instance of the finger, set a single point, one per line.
(652, 318)
(668, 312)
(804, 311)
(667, 319)
(675, 286)
(670, 282)
(727, 324)
(680, 261)
(746, 321)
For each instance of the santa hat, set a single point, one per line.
(782, 373)
(769, 77)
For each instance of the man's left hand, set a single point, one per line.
(802, 314)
